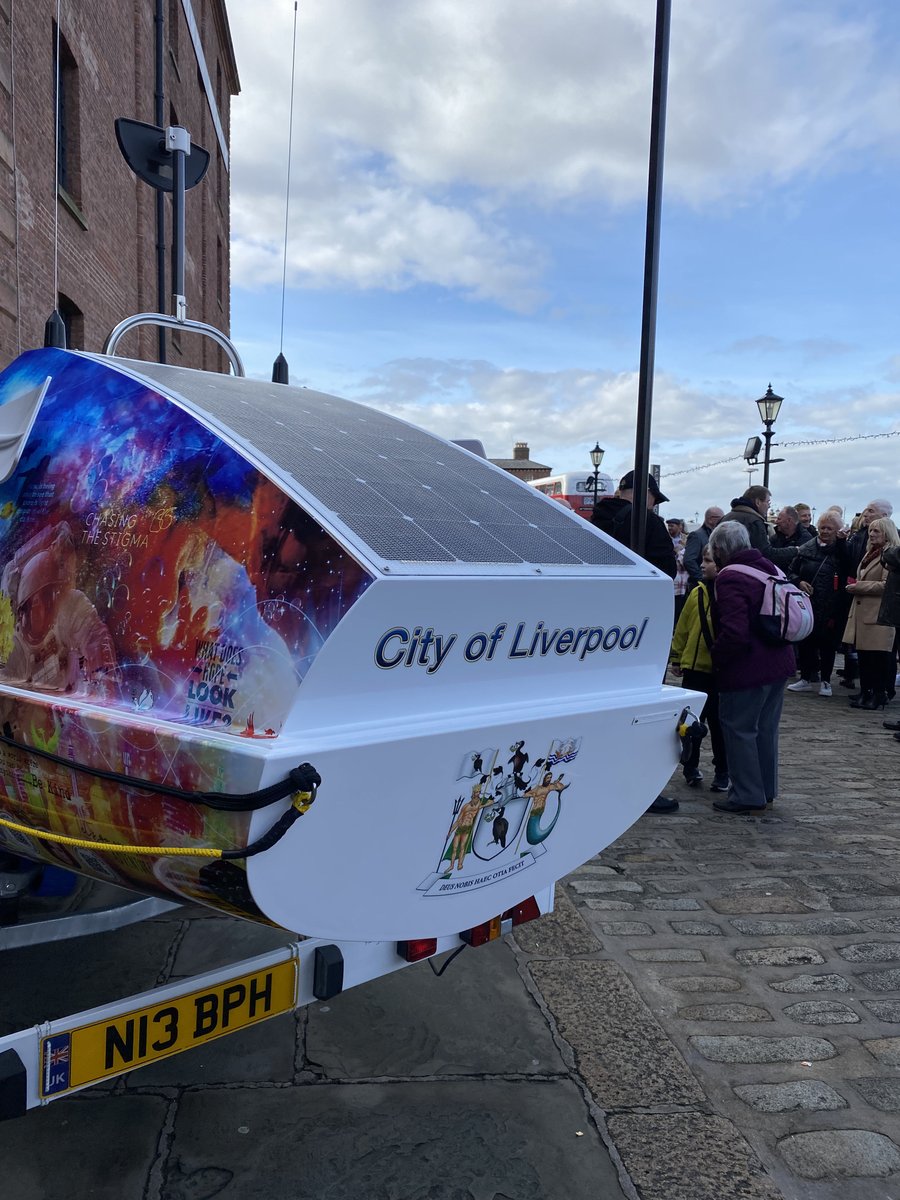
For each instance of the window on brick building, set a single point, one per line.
(220, 273)
(73, 320)
(68, 125)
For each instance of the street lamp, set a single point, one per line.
(596, 460)
(768, 406)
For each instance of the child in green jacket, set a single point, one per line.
(691, 658)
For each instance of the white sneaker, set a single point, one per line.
(802, 685)
(824, 689)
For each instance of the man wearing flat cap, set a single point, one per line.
(613, 516)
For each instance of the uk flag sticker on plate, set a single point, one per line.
(56, 1063)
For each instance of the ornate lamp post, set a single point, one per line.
(596, 460)
(768, 406)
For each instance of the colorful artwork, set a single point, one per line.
(150, 573)
(146, 565)
(498, 826)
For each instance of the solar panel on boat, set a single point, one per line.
(406, 494)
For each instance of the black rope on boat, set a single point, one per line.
(303, 778)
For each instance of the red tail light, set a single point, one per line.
(417, 949)
(526, 911)
(489, 930)
(480, 934)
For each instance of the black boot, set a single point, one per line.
(863, 700)
(877, 700)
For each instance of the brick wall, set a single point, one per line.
(107, 226)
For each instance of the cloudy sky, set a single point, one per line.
(466, 227)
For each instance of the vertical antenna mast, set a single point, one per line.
(280, 373)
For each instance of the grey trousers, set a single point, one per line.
(749, 720)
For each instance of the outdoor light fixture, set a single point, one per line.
(596, 459)
(769, 406)
(752, 449)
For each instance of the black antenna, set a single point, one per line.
(280, 371)
(55, 329)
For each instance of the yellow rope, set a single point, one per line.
(108, 847)
(302, 801)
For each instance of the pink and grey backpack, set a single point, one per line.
(785, 613)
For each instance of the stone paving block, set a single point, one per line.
(881, 981)
(812, 1095)
(724, 1012)
(622, 1053)
(594, 869)
(780, 956)
(751, 1049)
(430, 1026)
(775, 903)
(881, 1093)
(882, 924)
(813, 983)
(870, 952)
(608, 905)
(885, 1010)
(97, 1146)
(668, 955)
(121, 963)
(645, 856)
(671, 904)
(386, 1141)
(561, 933)
(886, 1050)
(820, 926)
(625, 928)
(597, 887)
(863, 902)
(696, 928)
(665, 887)
(841, 1154)
(218, 941)
(689, 1156)
(703, 983)
(655, 868)
(821, 1012)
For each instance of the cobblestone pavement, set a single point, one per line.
(711, 1013)
(768, 951)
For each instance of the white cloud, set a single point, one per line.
(415, 124)
(561, 413)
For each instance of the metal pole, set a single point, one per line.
(768, 436)
(651, 272)
(596, 485)
(179, 142)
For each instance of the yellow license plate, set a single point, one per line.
(109, 1047)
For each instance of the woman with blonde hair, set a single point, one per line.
(874, 643)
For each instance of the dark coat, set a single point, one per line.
(816, 564)
(743, 511)
(693, 553)
(851, 550)
(889, 612)
(741, 657)
(613, 516)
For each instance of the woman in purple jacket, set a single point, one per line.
(751, 674)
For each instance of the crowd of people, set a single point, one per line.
(850, 572)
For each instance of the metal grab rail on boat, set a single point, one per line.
(167, 322)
